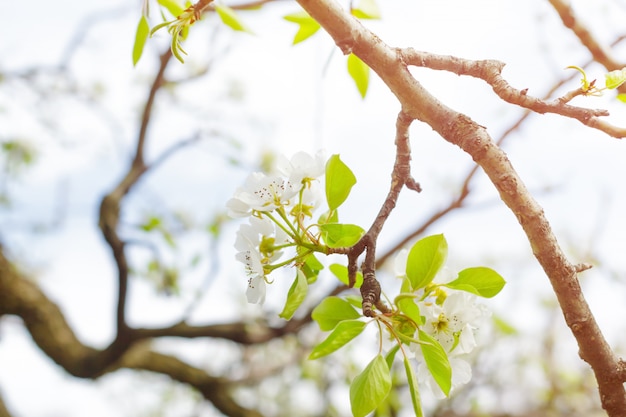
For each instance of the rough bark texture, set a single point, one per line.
(352, 37)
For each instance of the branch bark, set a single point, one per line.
(51, 332)
(352, 37)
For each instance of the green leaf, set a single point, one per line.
(341, 272)
(230, 18)
(296, 295)
(480, 280)
(622, 97)
(409, 308)
(339, 182)
(585, 84)
(330, 216)
(343, 333)
(504, 326)
(337, 235)
(307, 25)
(151, 223)
(141, 35)
(360, 73)
(391, 355)
(333, 310)
(436, 361)
(370, 387)
(615, 78)
(425, 259)
(311, 268)
(367, 9)
(413, 388)
(172, 6)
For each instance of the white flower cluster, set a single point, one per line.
(452, 317)
(276, 204)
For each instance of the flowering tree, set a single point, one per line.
(426, 320)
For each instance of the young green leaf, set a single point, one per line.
(141, 35)
(339, 182)
(337, 235)
(311, 268)
(622, 97)
(436, 361)
(409, 308)
(307, 26)
(480, 280)
(370, 387)
(367, 9)
(295, 296)
(343, 333)
(615, 78)
(391, 355)
(341, 272)
(360, 73)
(413, 388)
(585, 84)
(230, 18)
(425, 259)
(333, 310)
(172, 6)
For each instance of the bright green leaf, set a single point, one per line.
(615, 78)
(333, 310)
(330, 216)
(337, 235)
(409, 308)
(230, 18)
(370, 387)
(413, 387)
(436, 361)
(341, 272)
(343, 333)
(296, 295)
(307, 25)
(367, 9)
(391, 355)
(151, 223)
(172, 6)
(425, 259)
(339, 182)
(360, 73)
(585, 85)
(311, 268)
(141, 35)
(480, 280)
(622, 97)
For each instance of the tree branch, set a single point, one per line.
(110, 216)
(490, 71)
(51, 332)
(351, 36)
(599, 53)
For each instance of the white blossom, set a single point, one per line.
(302, 167)
(461, 375)
(261, 192)
(453, 323)
(256, 290)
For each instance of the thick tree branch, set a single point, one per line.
(51, 332)
(351, 36)
(4, 412)
(491, 72)
(600, 54)
(110, 216)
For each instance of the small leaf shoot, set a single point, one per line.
(360, 73)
